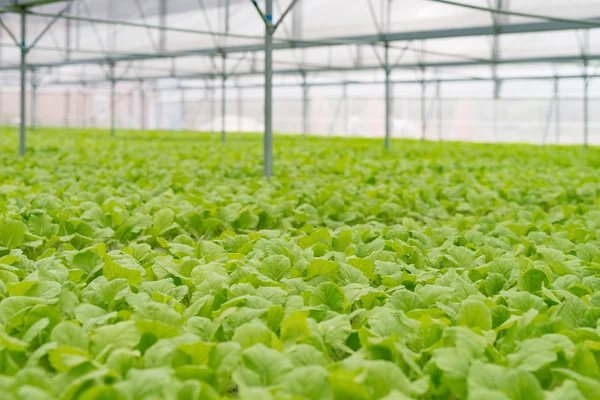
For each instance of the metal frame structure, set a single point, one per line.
(384, 41)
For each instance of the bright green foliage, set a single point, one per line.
(163, 266)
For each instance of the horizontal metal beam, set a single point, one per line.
(593, 23)
(297, 71)
(281, 44)
(344, 82)
(6, 5)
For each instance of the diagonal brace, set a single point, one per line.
(12, 36)
(285, 13)
(50, 25)
(262, 15)
(268, 19)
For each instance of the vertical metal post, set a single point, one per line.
(388, 74)
(163, 23)
(268, 138)
(423, 108)
(438, 95)
(22, 133)
(346, 108)
(586, 108)
(159, 109)
(142, 107)
(223, 99)
(182, 109)
(227, 13)
(213, 107)
(78, 26)
(305, 105)
(224, 77)
(67, 114)
(111, 30)
(495, 117)
(33, 100)
(130, 111)
(557, 110)
(113, 110)
(68, 34)
(388, 97)
(240, 109)
(84, 102)
(1, 63)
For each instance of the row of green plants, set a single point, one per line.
(163, 266)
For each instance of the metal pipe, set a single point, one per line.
(423, 109)
(142, 107)
(582, 23)
(1, 62)
(68, 35)
(336, 83)
(548, 120)
(268, 138)
(224, 78)
(159, 110)
(305, 105)
(22, 133)
(296, 44)
(130, 110)
(67, 114)
(212, 110)
(182, 109)
(586, 108)
(84, 106)
(495, 117)
(163, 24)
(412, 66)
(438, 93)
(557, 110)
(223, 100)
(346, 109)
(111, 31)
(240, 109)
(388, 97)
(33, 100)
(113, 111)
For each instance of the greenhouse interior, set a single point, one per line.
(299, 199)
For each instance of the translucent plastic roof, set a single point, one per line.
(333, 39)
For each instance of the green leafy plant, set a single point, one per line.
(163, 266)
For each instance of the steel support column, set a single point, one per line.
(305, 105)
(1, 63)
(268, 137)
(130, 111)
(586, 108)
(163, 23)
(143, 117)
(223, 99)
(213, 107)
(423, 109)
(67, 114)
(438, 96)
(22, 131)
(346, 113)
(34, 99)
(557, 110)
(113, 110)
(182, 109)
(84, 102)
(388, 97)
(159, 111)
(585, 48)
(240, 108)
(68, 25)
